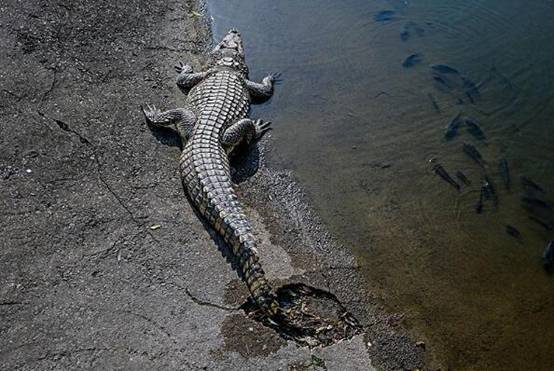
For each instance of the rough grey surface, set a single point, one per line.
(103, 264)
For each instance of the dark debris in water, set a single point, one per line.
(309, 316)
(384, 16)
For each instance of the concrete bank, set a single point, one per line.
(103, 263)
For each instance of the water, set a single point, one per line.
(359, 130)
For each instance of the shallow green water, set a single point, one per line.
(358, 129)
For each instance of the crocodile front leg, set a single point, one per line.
(243, 130)
(182, 119)
(187, 79)
(265, 89)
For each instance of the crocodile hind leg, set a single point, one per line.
(182, 119)
(245, 130)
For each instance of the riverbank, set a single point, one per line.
(103, 262)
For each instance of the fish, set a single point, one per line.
(462, 177)
(443, 68)
(474, 129)
(449, 78)
(548, 256)
(412, 60)
(473, 153)
(452, 129)
(384, 16)
(489, 191)
(504, 171)
(530, 186)
(440, 171)
(434, 103)
(512, 231)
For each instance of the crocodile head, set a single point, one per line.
(229, 53)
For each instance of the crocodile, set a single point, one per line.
(214, 121)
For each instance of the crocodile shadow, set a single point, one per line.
(166, 136)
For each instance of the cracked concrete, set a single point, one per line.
(85, 282)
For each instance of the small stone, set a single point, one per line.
(29, 171)
(420, 344)
(250, 328)
(369, 344)
(155, 226)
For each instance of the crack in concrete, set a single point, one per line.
(65, 127)
(65, 353)
(6, 303)
(203, 302)
(16, 96)
(52, 84)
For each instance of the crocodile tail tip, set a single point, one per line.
(269, 304)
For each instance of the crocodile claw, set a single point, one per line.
(262, 127)
(183, 68)
(275, 77)
(150, 113)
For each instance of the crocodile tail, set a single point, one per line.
(238, 236)
(204, 170)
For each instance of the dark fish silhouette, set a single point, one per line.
(474, 129)
(412, 60)
(530, 186)
(440, 171)
(504, 171)
(548, 256)
(443, 68)
(489, 191)
(434, 103)
(384, 16)
(452, 129)
(463, 177)
(473, 153)
(449, 79)
(512, 231)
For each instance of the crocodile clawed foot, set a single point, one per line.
(275, 77)
(183, 68)
(150, 113)
(261, 127)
